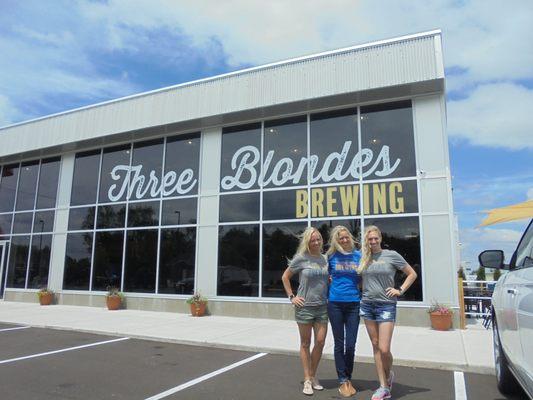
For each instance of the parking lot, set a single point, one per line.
(55, 364)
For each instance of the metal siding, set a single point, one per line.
(404, 62)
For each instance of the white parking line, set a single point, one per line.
(14, 329)
(460, 387)
(62, 350)
(205, 377)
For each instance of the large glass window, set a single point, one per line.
(334, 143)
(141, 261)
(8, 186)
(5, 224)
(238, 260)
(85, 180)
(77, 271)
(41, 247)
(118, 220)
(48, 180)
(18, 261)
(27, 185)
(285, 144)
(177, 260)
(351, 167)
(241, 157)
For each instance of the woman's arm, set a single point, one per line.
(411, 277)
(286, 279)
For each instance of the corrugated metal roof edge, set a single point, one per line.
(435, 32)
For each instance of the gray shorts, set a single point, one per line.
(311, 314)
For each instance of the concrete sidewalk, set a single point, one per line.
(461, 350)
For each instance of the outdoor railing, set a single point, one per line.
(475, 299)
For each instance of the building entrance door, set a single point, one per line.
(3, 267)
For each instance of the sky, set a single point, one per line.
(58, 55)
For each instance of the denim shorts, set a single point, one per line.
(311, 314)
(378, 311)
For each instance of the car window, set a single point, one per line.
(524, 252)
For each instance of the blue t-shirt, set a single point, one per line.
(344, 285)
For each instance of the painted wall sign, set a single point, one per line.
(130, 180)
(336, 167)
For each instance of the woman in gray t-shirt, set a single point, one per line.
(310, 303)
(378, 305)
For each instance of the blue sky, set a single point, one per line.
(58, 55)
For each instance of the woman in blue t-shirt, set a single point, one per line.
(343, 303)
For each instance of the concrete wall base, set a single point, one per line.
(408, 316)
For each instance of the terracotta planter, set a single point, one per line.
(440, 322)
(113, 302)
(198, 309)
(45, 299)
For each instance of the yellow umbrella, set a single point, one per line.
(509, 213)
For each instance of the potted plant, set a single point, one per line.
(441, 316)
(46, 296)
(114, 298)
(198, 304)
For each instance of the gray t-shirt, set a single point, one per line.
(312, 274)
(380, 275)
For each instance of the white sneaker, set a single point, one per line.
(316, 384)
(308, 388)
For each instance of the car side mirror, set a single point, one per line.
(491, 259)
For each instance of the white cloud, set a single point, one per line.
(494, 115)
(8, 113)
(530, 194)
(475, 240)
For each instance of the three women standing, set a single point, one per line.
(343, 303)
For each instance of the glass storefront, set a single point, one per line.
(353, 167)
(133, 216)
(28, 193)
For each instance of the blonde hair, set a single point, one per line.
(334, 244)
(305, 238)
(367, 252)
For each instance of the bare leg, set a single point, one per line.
(320, 331)
(305, 344)
(372, 327)
(385, 337)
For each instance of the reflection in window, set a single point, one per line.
(107, 269)
(27, 185)
(85, 178)
(239, 207)
(18, 261)
(335, 141)
(143, 214)
(238, 260)
(179, 211)
(48, 179)
(81, 218)
(43, 221)
(5, 223)
(389, 128)
(22, 222)
(241, 143)
(149, 157)
(111, 216)
(8, 184)
(141, 257)
(182, 154)
(113, 157)
(285, 151)
(284, 204)
(279, 245)
(402, 234)
(78, 261)
(177, 260)
(39, 261)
